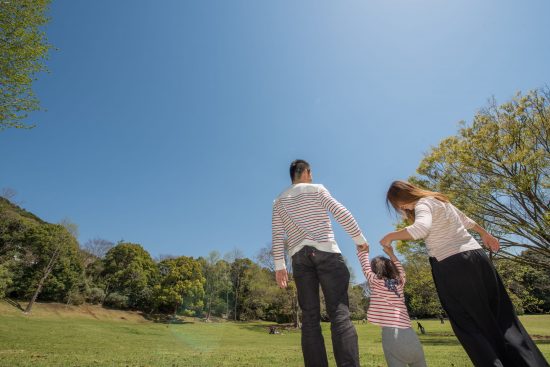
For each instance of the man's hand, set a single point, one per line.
(282, 278)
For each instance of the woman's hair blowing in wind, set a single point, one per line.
(403, 192)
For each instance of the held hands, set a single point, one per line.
(363, 247)
(388, 250)
(282, 278)
(386, 241)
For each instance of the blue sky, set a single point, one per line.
(172, 124)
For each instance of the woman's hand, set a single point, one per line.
(490, 242)
(386, 241)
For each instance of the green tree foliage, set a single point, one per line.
(215, 272)
(181, 285)
(6, 279)
(528, 287)
(240, 284)
(37, 258)
(497, 171)
(23, 50)
(358, 302)
(129, 271)
(46, 243)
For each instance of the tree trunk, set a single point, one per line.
(296, 310)
(235, 314)
(227, 304)
(209, 309)
(47, 272)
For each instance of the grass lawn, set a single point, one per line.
(58, 335)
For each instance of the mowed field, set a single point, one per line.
(59, 335)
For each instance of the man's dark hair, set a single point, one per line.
(296, 169)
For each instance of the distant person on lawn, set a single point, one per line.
(300, 216)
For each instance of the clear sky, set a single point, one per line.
(172, 123)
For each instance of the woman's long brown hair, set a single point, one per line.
(403, 192)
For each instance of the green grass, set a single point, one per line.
(56, 335)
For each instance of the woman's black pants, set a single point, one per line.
(481, 313)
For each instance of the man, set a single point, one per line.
(300, 216)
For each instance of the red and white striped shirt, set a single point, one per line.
(386, 308)
(300, 216)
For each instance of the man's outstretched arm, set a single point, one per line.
(342, 216)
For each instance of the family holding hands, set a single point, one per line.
(469, 288)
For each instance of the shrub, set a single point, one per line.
(95, 296)
(116, 300)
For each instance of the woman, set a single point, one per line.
(469, 288)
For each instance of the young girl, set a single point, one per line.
(469, 288)
(386, 278)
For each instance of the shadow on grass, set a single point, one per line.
(14, 304)
(440, 342)
(449, 339)
(166, 319)
(265, 328)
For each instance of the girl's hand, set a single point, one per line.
(363, 247)
(490, 242)
(388, 250)
(386, 241)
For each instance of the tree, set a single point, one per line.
(358, 302)
(528, 287)
(23, 50)
(497, 171)
(284, 307)
(98, 247)
(54, 250)
(70, 226)
(6, 279)
(129, 271)
(214, 270)
(265, 258)
(181, 284)
(8, 193)
(239, 284)
(230, 258)
(38, 259)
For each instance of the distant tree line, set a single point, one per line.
(43, 261)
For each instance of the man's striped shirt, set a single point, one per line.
(300, 218)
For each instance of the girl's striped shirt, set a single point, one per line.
(300, 218)
(443, 227)
(386, 307)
